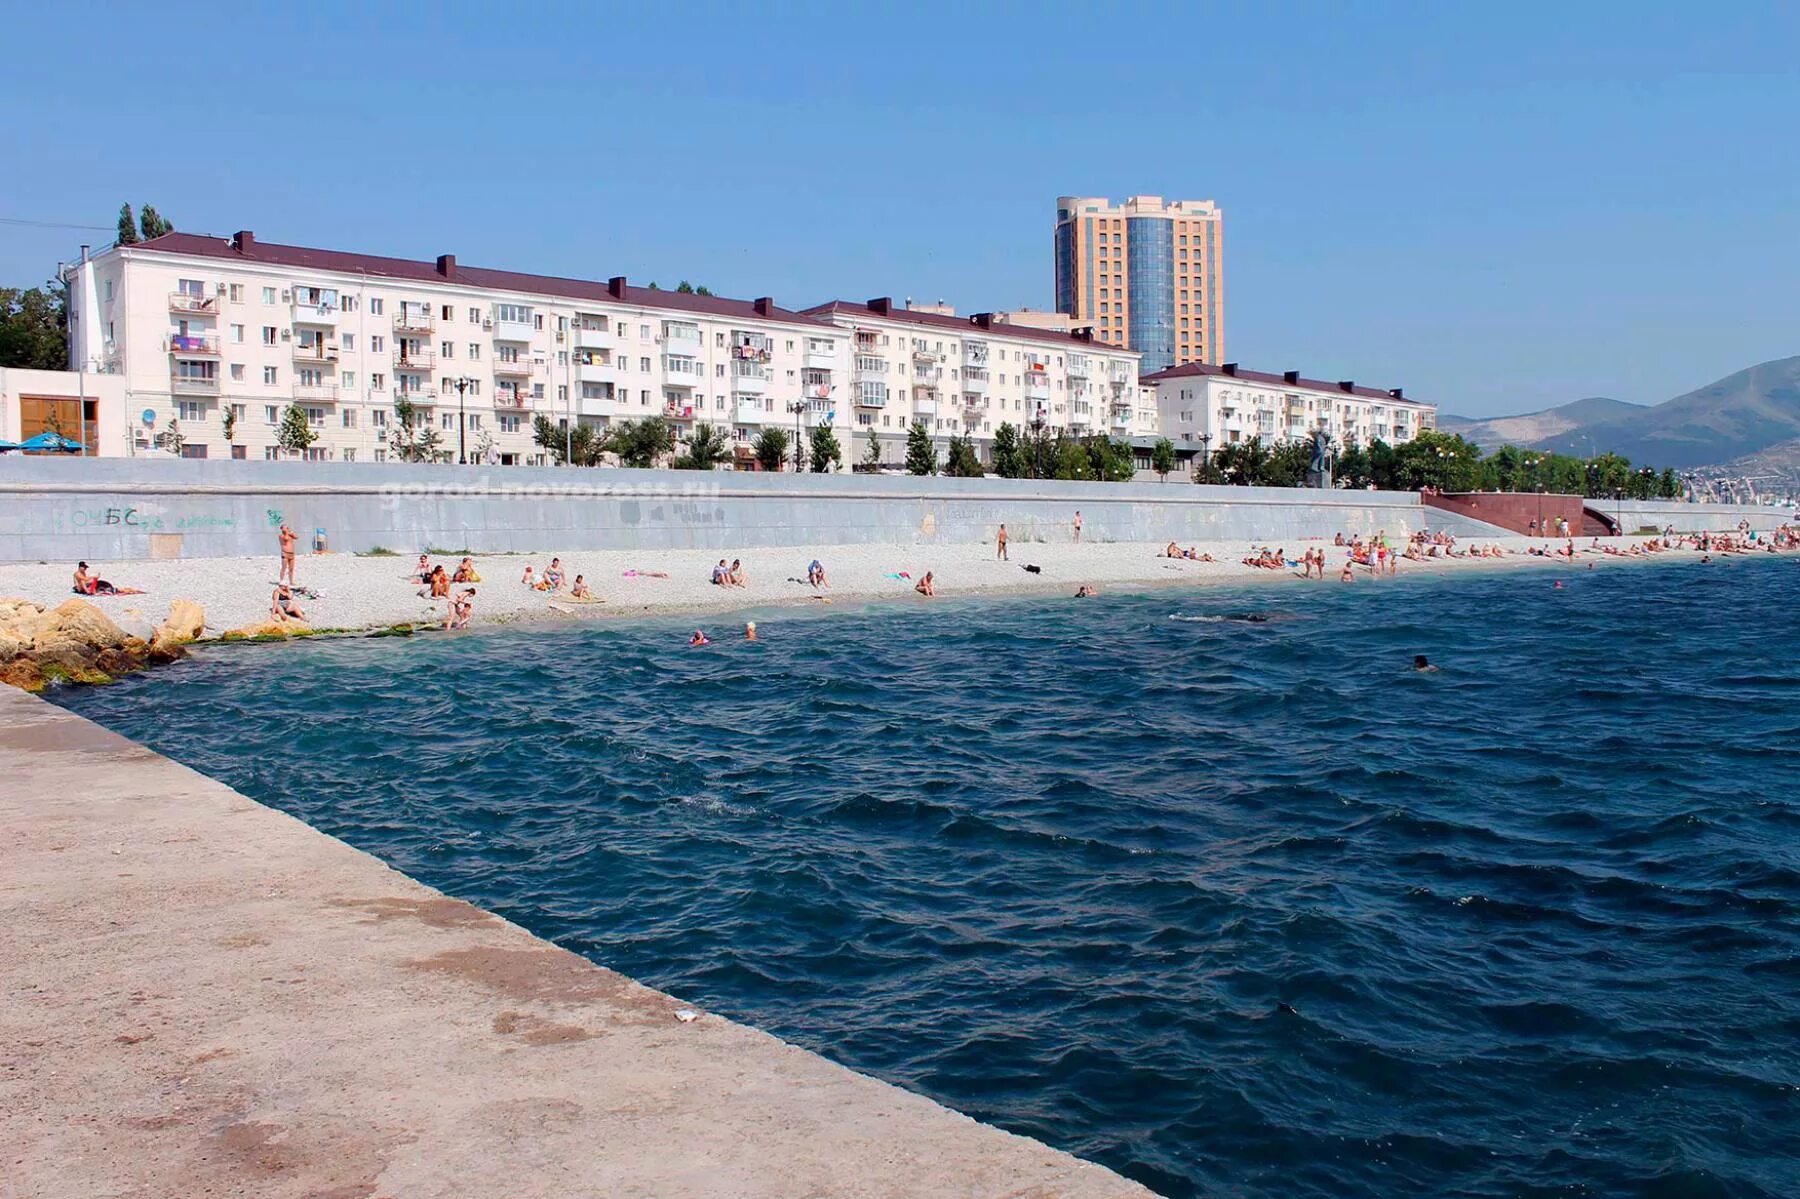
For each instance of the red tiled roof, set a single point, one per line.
(1188, 370)
(303, 258)
(967, 326)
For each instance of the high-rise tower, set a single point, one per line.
(1145, 274)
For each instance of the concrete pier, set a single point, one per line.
(203, 996)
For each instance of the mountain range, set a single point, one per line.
(1748, 420)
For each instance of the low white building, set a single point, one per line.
(1201, 405)
(973, 374)
(214, 338)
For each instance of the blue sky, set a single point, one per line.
(1497, 207)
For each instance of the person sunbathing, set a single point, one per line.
(580, 589)
(1173, 551)
(815, 574)
(527, 578)
(721, 575)
(282, 607)
(553, 575)
(465, 572)
(926, 586)
(736, 577)
(422, 572)
(87, 584)
(437, 584)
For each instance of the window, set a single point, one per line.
(509, 424)
(237, 293)
(348, 340)
(108, 290)
(268, 332)
(474, 316)
(644, 332)
(447, 349)
(349, 417)
(190, 410)
(348, 304)
(375, 344)
(537, 391)
(237, 334)
(268, 295)
(271, 376)
(271, 414)
(378, 418)
(474, 420)
(315, 416)
(237, 372)
(348, 379)
(449, 313)
(475, 351)
(447, 420)
(271, 453)
(375, 307)
(377, 381)
(381, 455)
(350, 454)
(644, 364)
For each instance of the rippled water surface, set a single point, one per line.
(1244, 909)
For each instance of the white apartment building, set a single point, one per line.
(1204, 406)
(217, 337)
(973, 374)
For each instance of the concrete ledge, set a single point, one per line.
(203, 996)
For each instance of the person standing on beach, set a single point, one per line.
(288, 539)
(1000, 544)
(1078, 526)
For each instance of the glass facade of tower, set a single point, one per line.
(1150, 280)
(1065, 267)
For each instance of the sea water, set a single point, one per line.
(1208, 885)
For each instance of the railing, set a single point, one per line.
(415, 360)
(513, 367)
(188, 302)
(315, 351)
(413, 322)
(510, 401)
(194, 385)
(318, 392)
(1078, 367)
(305, 313)
(194, 345)
(423, 397)
(816, 391)
(928, 376)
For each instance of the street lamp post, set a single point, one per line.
(1206, 457)
(797, 407)
(462, 384)
(1037, 434)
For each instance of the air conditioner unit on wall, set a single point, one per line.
(287, 296)
(222, 289)
(487, 326)
(287, 335)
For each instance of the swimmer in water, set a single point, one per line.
(698, 639)
(1422, 663)
(1084, 591)
(750, 630)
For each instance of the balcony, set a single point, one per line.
(189, 304)
(321, 312)
(925, 405)
(194, 345)
(1078, 366)
(315, 351)
(418, 397)
(1037, 387)
(194, 385)
(871, 374)
(681, 372)
(682, 340)
(678, 412)
(928, 376)
(1118, 374)
(975, 353)
(415, 360)
(513, 368)
(591, 338)
(596, 372)
(815, 391)
(413, 320)
(973, 408)
(871, 399)
(822, 360)
(923, 357)
(749, 412)
(512, 327)
(510, 401)
(316, 393)
(748, 380)
(975, 380)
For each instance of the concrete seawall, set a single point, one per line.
(205, 996)
(118, 509)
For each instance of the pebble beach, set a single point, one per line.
(355, 592)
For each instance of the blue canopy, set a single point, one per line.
(50, 441)
(7, 445)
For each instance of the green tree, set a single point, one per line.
(411, 437)
(228, 422)
(771, 448)
(639, 443)
(1670, 488)
(34, 328)
(706, 448)
(128, 234)
(175, 439)
(295, 433)
(1068, 459)
(1162, 457)
(1009, 456)
(1286, 464)
(703, 290)
(872, 452)
(1240, 463)
(826, 453)
(151, 223)
(1110, 461)
(921, 455)
(685, 288)
(963, 461)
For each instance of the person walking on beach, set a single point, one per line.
(288, 538)
(1078, 526)
(1000, 544)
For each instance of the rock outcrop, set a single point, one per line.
(266, 631)
(78, 643)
